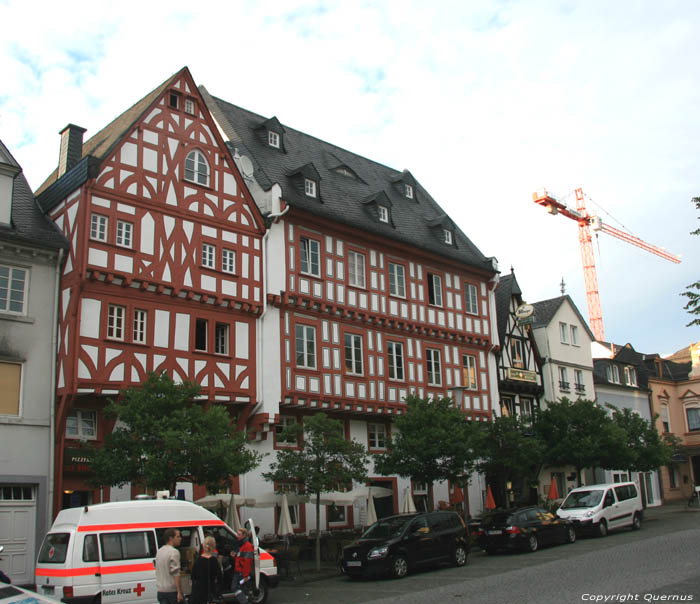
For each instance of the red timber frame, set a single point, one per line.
(164, 271)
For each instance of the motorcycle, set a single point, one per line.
(3, 577)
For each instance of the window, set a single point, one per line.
(376, 436)
(13, 289)
(397, 280)
(287, 439)
(228, 261)
(310, 187)
(197, 168)
(434, 368)
(189, 106)
(471, 298)
(434, 289)
(221, 338)
(356, 269)
(273, 139)
(124, 231)
(174, 100)
(98, 227)
(527, 408)
(353, 353)
(81, 424)
(128, 546)
(383, 214)
(208, 255)
(563, 379)
(664, 418)
(115, 322)
(448, 236)
(693, 415)
(310, 263)
(306, 346)
(630, 376)
(10, 383)
(408, 191)
(578, 381)
(612, 372)
(574, 335)
(672, 477)
(395, 360)
(469, 371)
(200, 334)
(91, 553)
(516, 353)
(139, 333)
(564, 333)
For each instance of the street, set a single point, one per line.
(662, 559)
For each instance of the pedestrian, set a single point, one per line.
(206, 575)
(244, 561)
(168, 584)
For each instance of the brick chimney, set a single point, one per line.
(71, 148)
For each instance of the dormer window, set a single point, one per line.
(273, 139)
(408, 191)
(310, 187)
(197, 168)
(383, 214)
(189, 106)
(448, 236)
(345, 172)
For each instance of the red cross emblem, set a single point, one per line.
(139, 589)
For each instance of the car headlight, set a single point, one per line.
(589, 514)
(378, 552)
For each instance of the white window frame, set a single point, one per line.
(208, 255)
(12, 289)
(305, 335)
(356, 269)
(221, 338)
(469, 372)
(285, 421)
(517, 358)
(574, 335)
(116, 315)
(397, 280)
(433, 366)
(353, 354)
(189, 106)
(228, 260)
(140, 324)
(471, 299)
(408, 191)
(197, 168)
(436, 282)
(395, 361)
(579, 386)
(564, 383)
(630, 376)
(311, 256)
(309, 187)
(99, 223)
(82, 417)
(448, 236)
(376, 436)
(125, 232)
(273, 139)
(563, 333)
(695, 407)
(383, 214)
(665, 418)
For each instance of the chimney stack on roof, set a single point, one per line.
(71, 148)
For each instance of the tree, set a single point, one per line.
(163, 436)
(509, 449)
(581, 434)
(325, 462)
(432, 441)
(692, 292)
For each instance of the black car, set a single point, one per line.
(396, 544)
(523, 529)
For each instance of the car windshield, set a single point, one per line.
(384, 529)
(582, 499)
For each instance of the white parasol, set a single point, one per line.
(371, 512)
(408, 507)
(285, 524)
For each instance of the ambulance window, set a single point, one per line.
(90, 551)
(188, 535)
(225, 539)
(54, 548)
(128, 546)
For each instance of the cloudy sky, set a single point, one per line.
(483, 101)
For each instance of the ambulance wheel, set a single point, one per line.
(259, 596)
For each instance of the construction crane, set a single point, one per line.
(587, 221)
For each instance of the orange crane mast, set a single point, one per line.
(585, 222)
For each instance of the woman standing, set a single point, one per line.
(206, 575)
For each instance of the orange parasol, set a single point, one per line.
(490, 503)
(457, 496)
(553, 491)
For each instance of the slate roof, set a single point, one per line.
(546, 309)
(670, 370)
(29, 225)
(507, 288)
(416, 222)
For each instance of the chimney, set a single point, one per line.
(71, 148)
(695, 360)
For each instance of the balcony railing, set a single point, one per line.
(580, 388)
(564, 385)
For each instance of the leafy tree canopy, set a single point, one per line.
(692, 292)
(163, 436)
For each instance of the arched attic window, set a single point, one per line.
(197, 168)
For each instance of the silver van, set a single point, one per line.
(598, 508)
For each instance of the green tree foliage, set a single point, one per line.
(580, 434)
(692, 292)
(509, 449)
(432, 441)
(163, 436)
(324, 462)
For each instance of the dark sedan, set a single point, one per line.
(523, 529)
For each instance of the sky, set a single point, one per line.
(484, 101)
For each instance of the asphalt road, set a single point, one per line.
(659, 563)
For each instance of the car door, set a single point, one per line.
(422, 540)
(610, 508)
(625, 504)
(549, 526)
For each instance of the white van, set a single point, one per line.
(597, 508)
(105, 553)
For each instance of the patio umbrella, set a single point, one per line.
(272, 499)
(222, 500)
(350, 497)
(408, 507)
(490, 503)
(553, 490)
(371, 512)
(232, 518)
(285, 523)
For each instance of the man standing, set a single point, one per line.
(168, 583)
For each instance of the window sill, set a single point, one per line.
(197, 184)
(218, 271)
(311, 275)
(19, 318)
(377, 451)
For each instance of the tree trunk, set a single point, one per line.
(318, 532)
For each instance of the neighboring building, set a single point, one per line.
(675, 397)
(564, 340)
(31, 251)
(164, 270)
(621, 381)
(373, 293)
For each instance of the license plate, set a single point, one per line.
(48, 589)
(493, 532)
(354, 563)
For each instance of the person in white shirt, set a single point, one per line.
(168, 585)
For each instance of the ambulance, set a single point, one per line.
(105, 553)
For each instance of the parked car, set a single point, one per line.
(598, 508)
(12, 594)
(397, 544)
(523, 529)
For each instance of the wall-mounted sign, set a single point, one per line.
(525, 314)
(521, 375)
(77, 461)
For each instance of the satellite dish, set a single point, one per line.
(245, 165)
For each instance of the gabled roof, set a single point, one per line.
(507, 288)
(546, 309)
(343, 196)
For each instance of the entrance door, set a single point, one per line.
(384, 506)
(18, 532)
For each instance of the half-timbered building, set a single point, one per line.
(163, 273)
